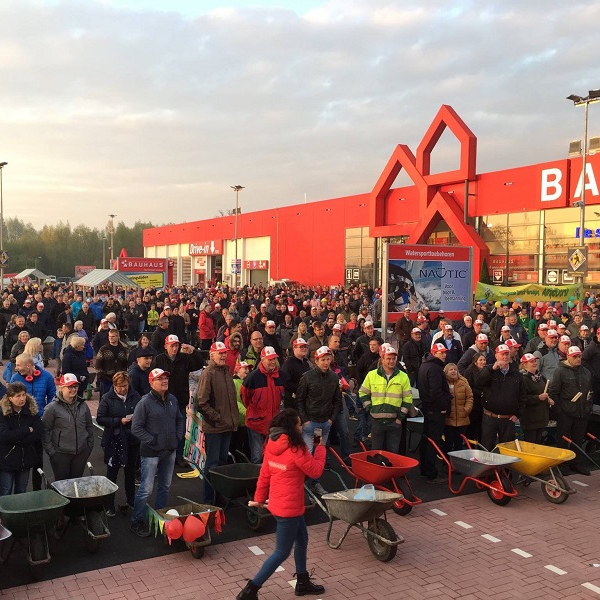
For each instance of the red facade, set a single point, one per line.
(308, 240)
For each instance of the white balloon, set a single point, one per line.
(172, 512)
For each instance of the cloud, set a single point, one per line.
(153, 114)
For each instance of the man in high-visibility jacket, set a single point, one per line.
(386, 395)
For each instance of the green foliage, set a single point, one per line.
(484, 276)
(59, 247)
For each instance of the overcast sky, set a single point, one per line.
(151, 109)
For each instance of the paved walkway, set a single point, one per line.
(460, 547)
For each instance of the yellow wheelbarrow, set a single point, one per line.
(535, 460)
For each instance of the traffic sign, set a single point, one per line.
(578, 260)
(498, 275)
(3, 258)
(348, 274)
(552, 276)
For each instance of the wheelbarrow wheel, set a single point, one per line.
(497, 496)
(382, 551)
(197, 551)
(400, 507)
(553, 495)
(96, 527)
(255, 521)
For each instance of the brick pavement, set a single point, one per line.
(533, 549)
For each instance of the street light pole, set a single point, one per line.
(112, 239)
(592, 97)
(104, 252)
(35, 261)
(2, 165)
(236, 189)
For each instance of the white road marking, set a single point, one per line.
(255, 550)
(521, 553)
(438, 512)
(579, 483)
(463, 525)
(292, 583)
(279, 569)
(591, 587)
(555, 570)
(491, 538)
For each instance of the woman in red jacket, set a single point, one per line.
(286, 463)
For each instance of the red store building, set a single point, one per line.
(521, 220)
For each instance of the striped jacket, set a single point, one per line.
(386, 399)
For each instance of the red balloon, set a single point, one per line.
(193, 529)
(174, 529)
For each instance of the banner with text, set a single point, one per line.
(146, 280)
(531, 292)
(438, 277)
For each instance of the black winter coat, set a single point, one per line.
(17, 443)
(566, 383)
(110, 412)
(318, 397)
(503, 394)
(179, 368)
(433, 387)
(537, 412)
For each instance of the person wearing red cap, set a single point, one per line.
(548, 354)
(571, 390)
(294, 367)
(262, 394)
(435, 396)
(386, 395)
(159, 425)
(503, 398)
(68, 436)
(534, 419)
(206, 328)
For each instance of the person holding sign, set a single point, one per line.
(537, 401)
(571, 388)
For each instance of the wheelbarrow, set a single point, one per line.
(534, 460)
(385, 478)
(211, 516)
(88, 497)
(381, 537)
(486, 469)
(30, 517)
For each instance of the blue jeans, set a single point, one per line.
(291, 531)
(18, 479)
(308, 432)
(151, 465)
(257, 442)
(216, 446)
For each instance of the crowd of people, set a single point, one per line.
(240, 358)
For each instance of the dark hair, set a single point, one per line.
(12, 389)
(476, 357)
(287, 420)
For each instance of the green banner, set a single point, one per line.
(530, 292)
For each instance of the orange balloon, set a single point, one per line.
(174, 529)
(515, 305)
(193, 529)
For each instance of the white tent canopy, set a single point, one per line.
(99, 276)
(31, 273)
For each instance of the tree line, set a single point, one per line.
(56, 249)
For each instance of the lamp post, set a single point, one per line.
(112, 239)
(592, 97)
(2, 165)
(35, 261)
(104, 252)
(236, 189)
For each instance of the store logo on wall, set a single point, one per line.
(552, 187)
(206, 248)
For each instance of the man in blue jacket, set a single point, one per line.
(159, 425)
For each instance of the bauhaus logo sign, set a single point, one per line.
(554, 184)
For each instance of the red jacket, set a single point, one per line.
(282, 475)
(262, 393)
(206, 326)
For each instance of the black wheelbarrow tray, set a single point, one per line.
(157, 518)
(88, 499)
(236, 484)
(381, 537)
(30, 517)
